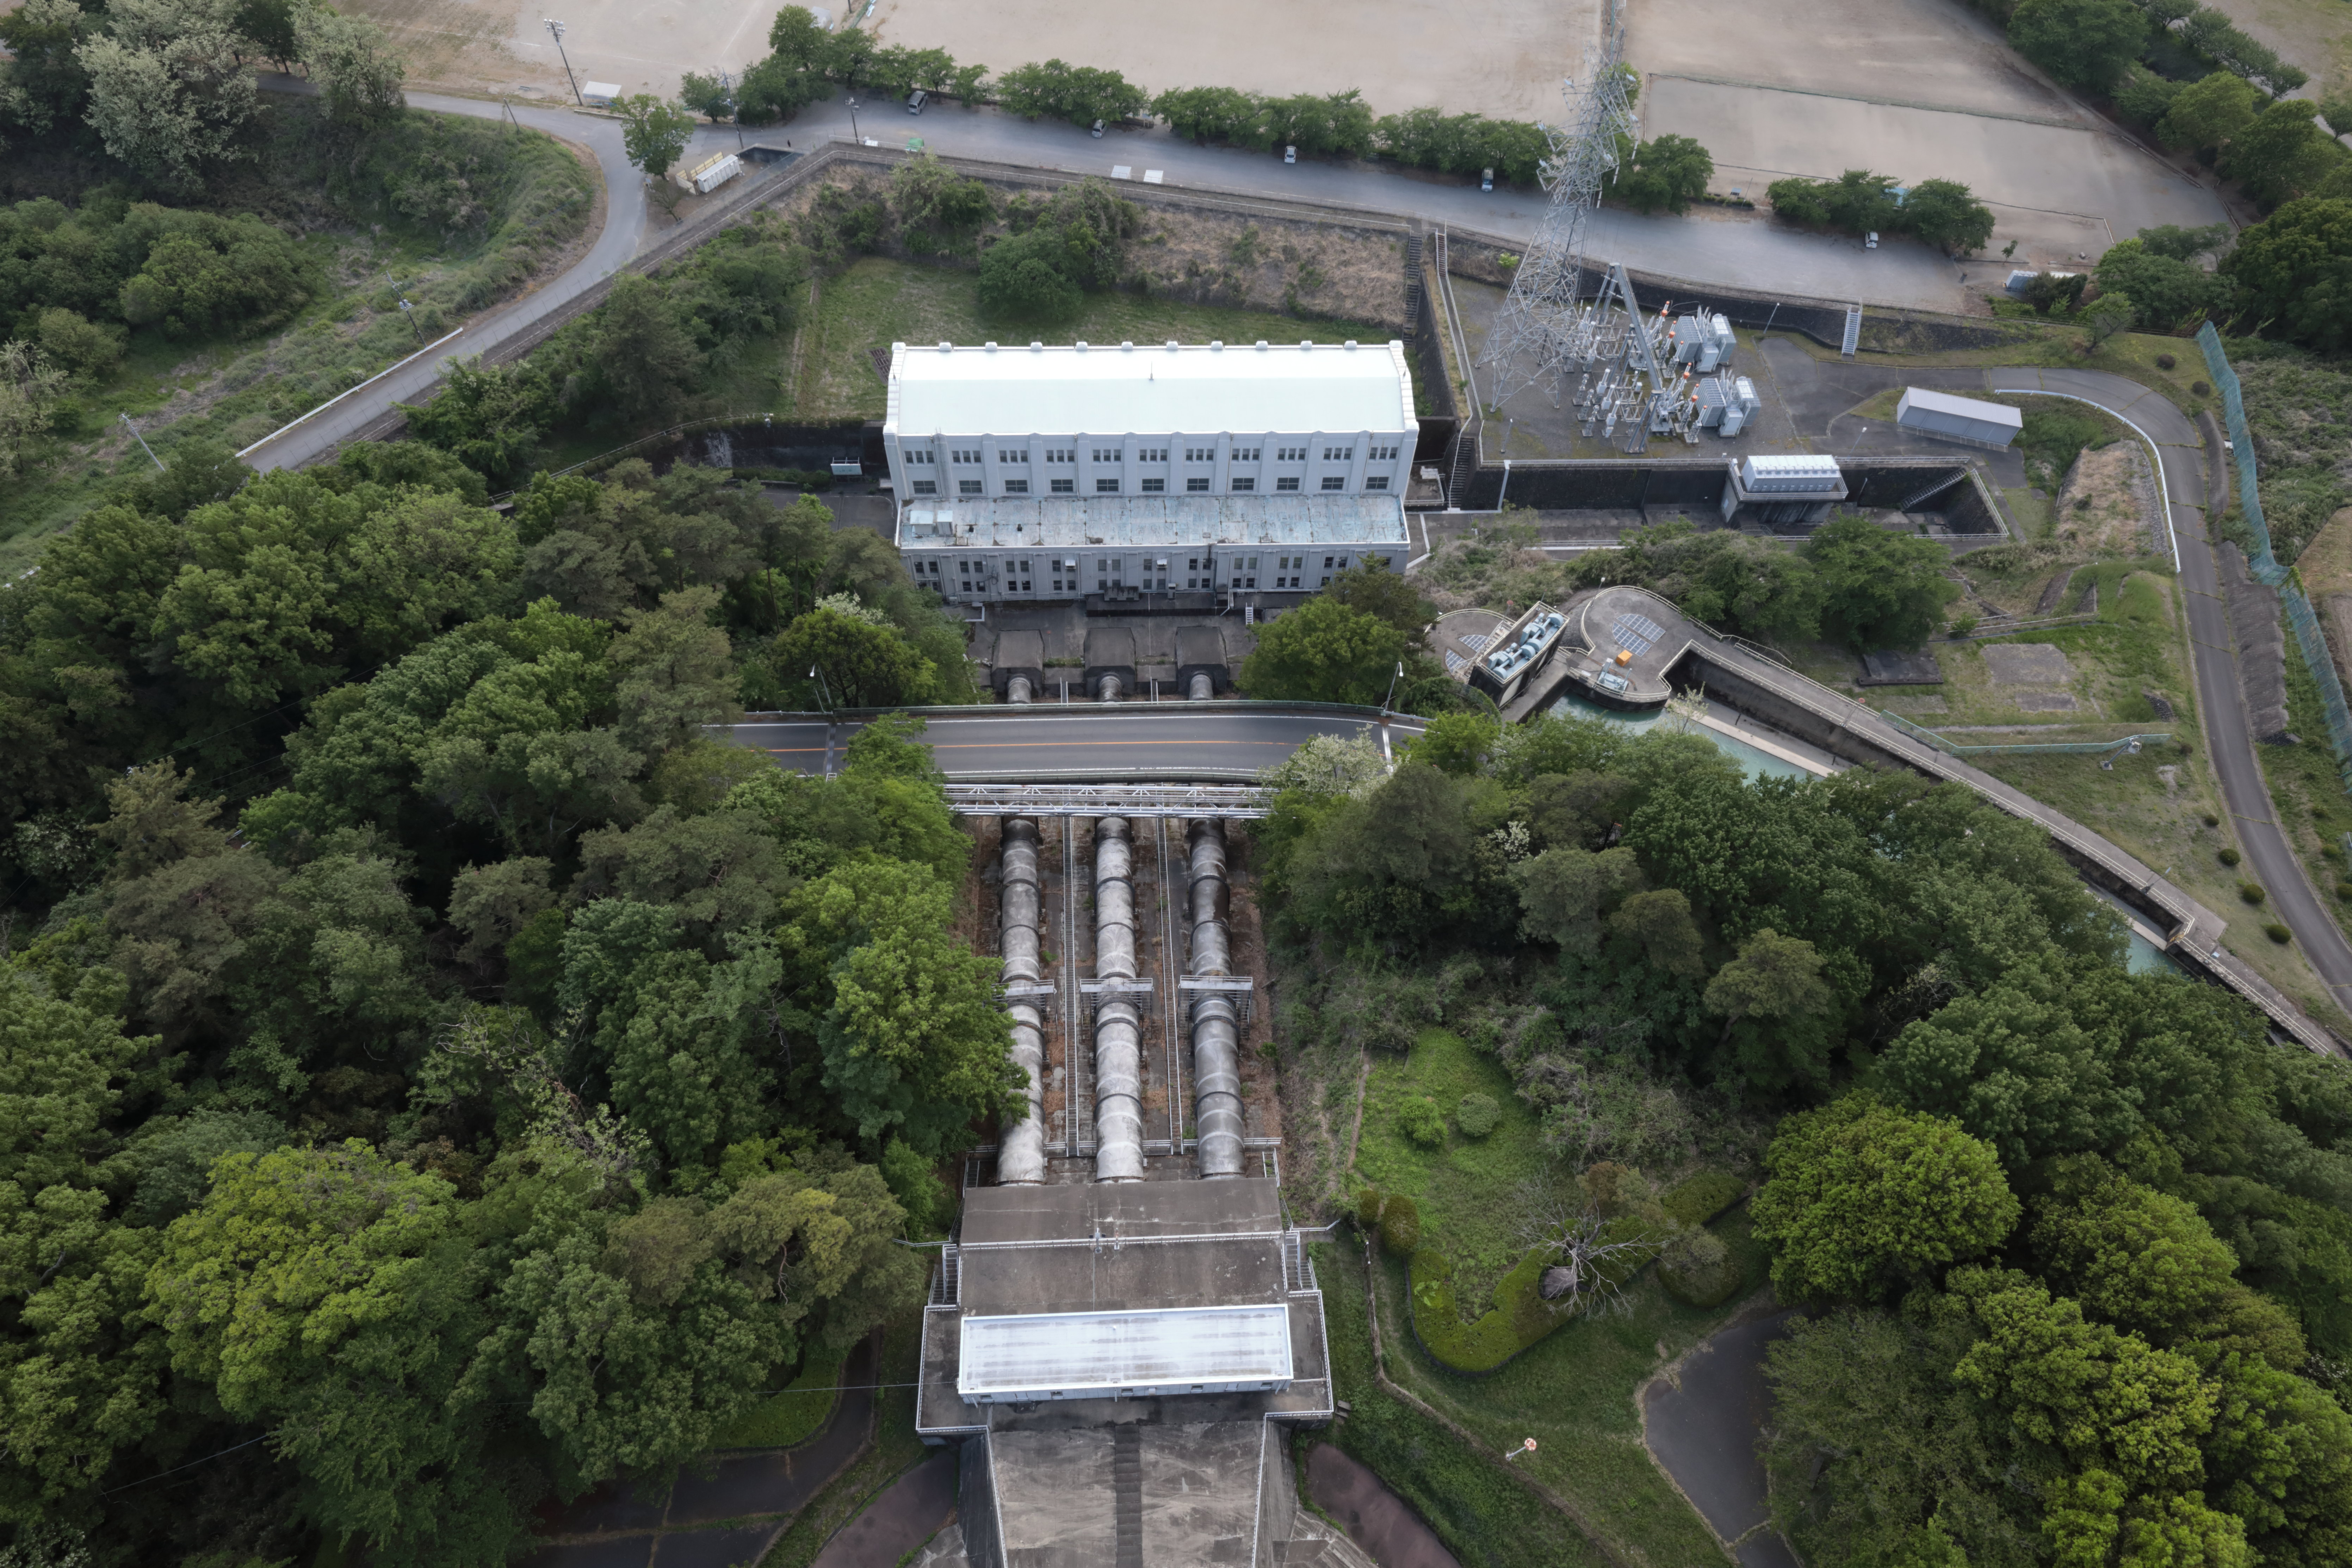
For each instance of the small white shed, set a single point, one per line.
(599, 94)
(1967, 420)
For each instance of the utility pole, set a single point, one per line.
(406, 310)
(556, 29)
(854, 136)
(727, 81)
(143, 442)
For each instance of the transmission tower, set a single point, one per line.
(1548, 331)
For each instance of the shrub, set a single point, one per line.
(1697, 1269)
(2211, 820)
(1422, 1123)
(2229, 855)
(1400, 1225)
(2278, 933)
(2252, 892)
(1703, 1196)
(1368, 1210)
(1519, 1317)
(1478, 1115)
(2165, 362)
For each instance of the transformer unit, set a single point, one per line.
(1740, 408)
(1703, 341)
(1726, 404)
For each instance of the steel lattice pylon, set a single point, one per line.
(1548, 331)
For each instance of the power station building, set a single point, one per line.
(1038, 474)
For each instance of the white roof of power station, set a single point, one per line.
(1150, 388)
(1049, 1353)
(1959, 408)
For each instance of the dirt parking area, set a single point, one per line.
(1503, 58)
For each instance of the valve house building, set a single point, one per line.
(1037, 474)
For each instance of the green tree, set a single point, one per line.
(1879, 589)
(352, 63)
(1457, 743)
(2082, 43)
(1861, 1197)
(167, 91)
(1372, 587)
(937, 209)
(2210, 112)
(1565, 893)
(1403, 865)
(1775, 1009)
(334, 1295)
(2165, 290)
(858, 662)
(2283, 153)
(489, 416)
(1947, 215)
(1323, 651)
(2108, 315)
(642, 353)
(1023, 279)
(1667, 174)
(653, 132)
(2296, 267)
(913, 1041)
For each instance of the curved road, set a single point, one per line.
(623, 233)
(2228, 737)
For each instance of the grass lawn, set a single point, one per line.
(879, 301)
(2305, 789)
(1573, 1391)
(895, 1448)
(1483, 1516)
(794, 1413)
(1464, 1189)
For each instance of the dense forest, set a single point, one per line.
(2073, 1244)
(431, 1071)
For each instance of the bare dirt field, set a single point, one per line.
(1503, 58)
(503, 46)
(1914, 88)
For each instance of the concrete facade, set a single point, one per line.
(1021, 550)
(967, 423)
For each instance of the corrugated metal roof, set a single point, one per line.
(1152, 523)
(1151, 389)
(1040, 1352)
(1964, 408)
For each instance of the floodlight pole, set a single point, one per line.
(556, 29)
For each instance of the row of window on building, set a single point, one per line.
(1195, 485)
(1288, 573)
(927, 456)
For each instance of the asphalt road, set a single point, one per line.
(1710, 245)
(1138, 742)
(623, 235)
(2229, 738)
(1703, 1428)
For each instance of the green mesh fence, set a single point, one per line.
(2024, 749)
(2265, 566)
